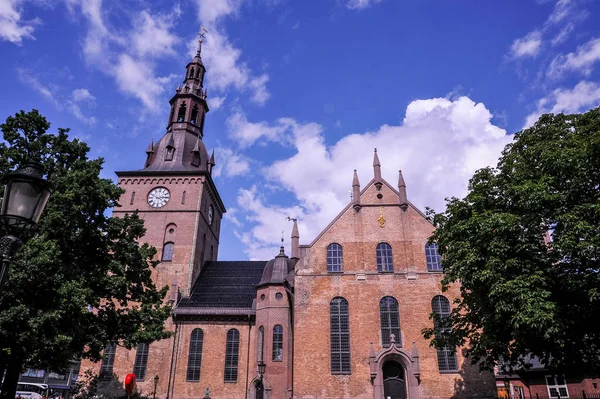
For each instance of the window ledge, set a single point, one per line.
(449, 372)
(341, 373)
(385, 271)
(335, 272)
(435, 271)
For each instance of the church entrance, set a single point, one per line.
(260, 390)
(394, 382)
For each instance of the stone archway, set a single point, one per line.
(259, 389)
(395, 372)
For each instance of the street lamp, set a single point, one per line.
(261, 369)
(25, 196)
(155, 384)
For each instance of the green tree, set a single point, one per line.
(524, 245)
(82, 280)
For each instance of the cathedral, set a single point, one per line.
(338, 317)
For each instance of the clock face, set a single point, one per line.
(210, 214)
(158, 197)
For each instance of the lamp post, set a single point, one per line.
(261, 369)
(25, 196)
(155, 384)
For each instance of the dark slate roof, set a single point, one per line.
(228, 284)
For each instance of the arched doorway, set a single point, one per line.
(259, 390)
(394, 382)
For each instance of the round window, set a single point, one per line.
(279, 295)
(262, 297)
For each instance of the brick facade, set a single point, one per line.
(293, 293)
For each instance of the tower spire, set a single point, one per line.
(377, 170)
(356, 192)
(295, 239)
(402, 191)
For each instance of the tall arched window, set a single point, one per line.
(390, 320)
(195, 355)
(339, 336)
(231, 355)
(261, 343)
(277, 343)
(108, 361)
(141, 360)
(434, 260)
(384, 257)
(168, 250)
(334, 257)
(181, 114)
(440, 305)
(192, 73)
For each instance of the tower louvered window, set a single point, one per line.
(390, 320)
(434, 260)
(141, 361)
(384, 257)
(195, 355)
(447, 360)
(108, 360)
(231, 355)
(277, 343)
(334, 257)
(339, 336)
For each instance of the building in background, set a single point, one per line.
(60, 385)
(340, 317)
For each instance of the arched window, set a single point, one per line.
(440, 305)
(261, 343)
(141, 360)
(339, 336)
(231, 355)
(132, 198)
(192, 73)
(390, 320)
(434, 260)
(277, 343)
(195, 355)
(334, 257)
(108, 361)
(202, 122)
(384, 257)
(194, 114)
(181, 114)
(167, 254)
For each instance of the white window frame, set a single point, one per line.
(556, 386)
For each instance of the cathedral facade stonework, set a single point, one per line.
(340, 317)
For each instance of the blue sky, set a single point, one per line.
(302, 91)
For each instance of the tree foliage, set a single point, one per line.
(82, 280)
(524, 245)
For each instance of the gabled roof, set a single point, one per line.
(225, 284)
(339, 215)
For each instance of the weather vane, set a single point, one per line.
(282, 231)
(202, 34)
(290, 219)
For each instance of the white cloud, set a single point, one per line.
(358, 4)
(563, 34)
(246, 133)
(528, 46)
(222, 58)
(152, 35)
(12, 27)
(438, 146)
(583, 96)
(562, 10)
(48, 91)
(230, 163)
(83, 95)
(214, 103)
(132, 77)
(581, 61)
(128, 55)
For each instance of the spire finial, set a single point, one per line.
(377, 170)
(356, 192)
(402, 192)
(201, 35)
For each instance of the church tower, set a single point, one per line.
(174, 191)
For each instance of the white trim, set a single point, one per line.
(556, 385)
